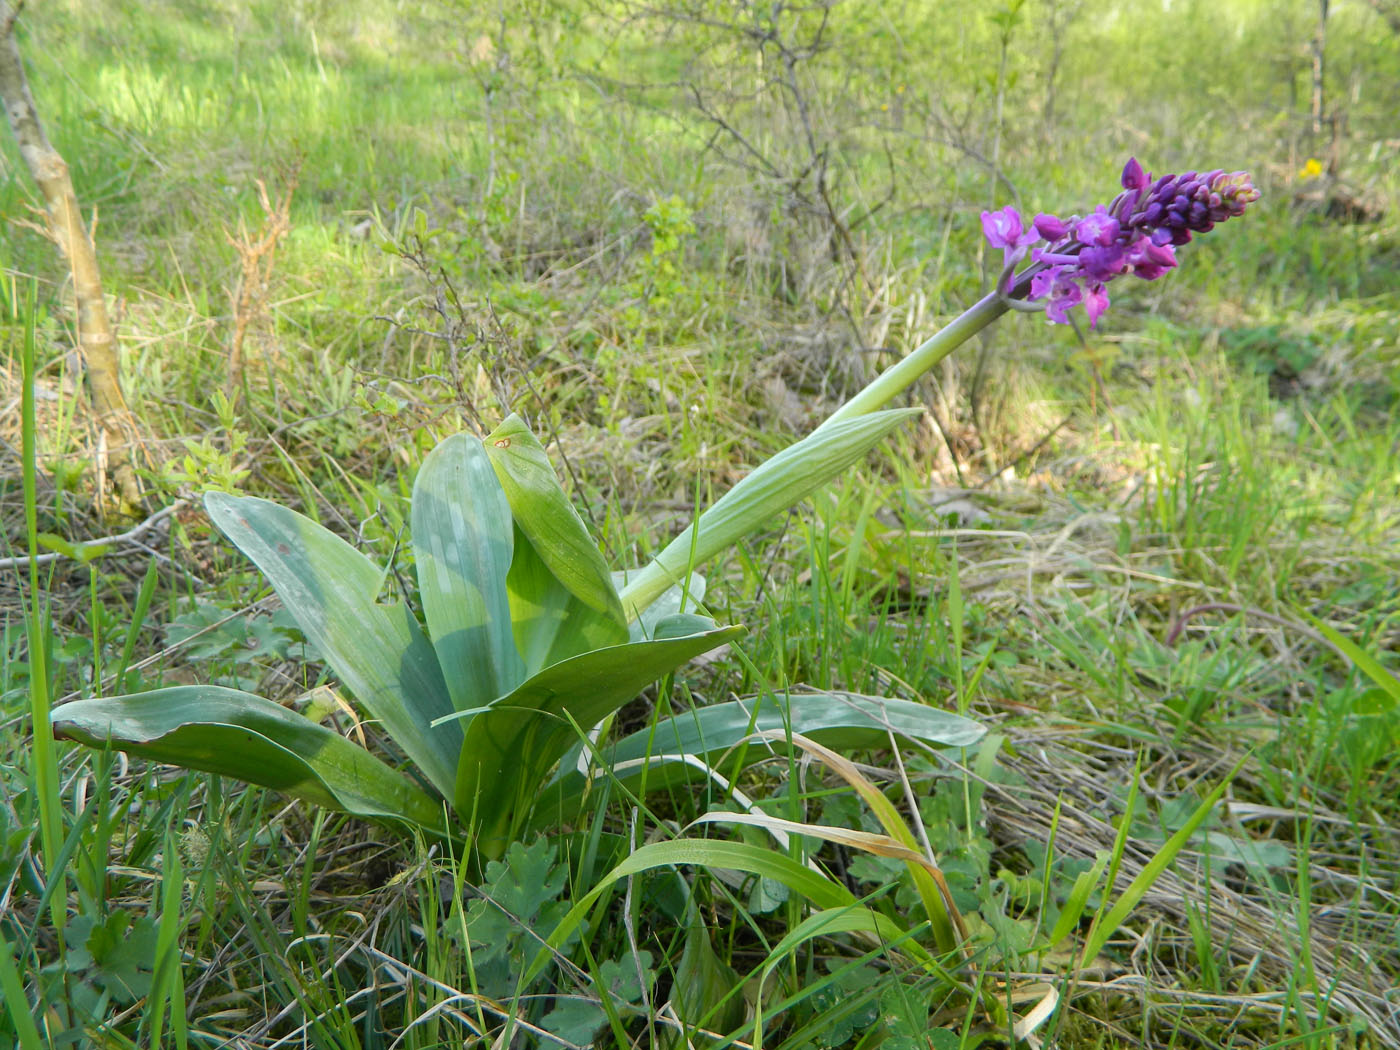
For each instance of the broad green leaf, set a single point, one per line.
(544, 513)
(462, 539)
(237, 734)
(551, 623)
(705, 992)
(845, 720)
(377, 649)
(779, 483)
(668, 604)
(508, 750)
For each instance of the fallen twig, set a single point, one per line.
(130, 536)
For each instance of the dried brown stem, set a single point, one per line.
(96, 340)
(255, 257)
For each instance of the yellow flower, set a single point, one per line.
(1312, 169)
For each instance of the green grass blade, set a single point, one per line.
(1078, 898)
(139, 610)
(16, 1004)
(828, 922)
(166, 976)
(1364, 661)
(735, 856)
(1106, 925)
(45, 754)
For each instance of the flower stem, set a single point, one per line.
(898, 378)
(671, 565)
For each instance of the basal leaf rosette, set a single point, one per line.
(525, 643)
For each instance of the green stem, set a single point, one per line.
(898, 378)
(678, 557)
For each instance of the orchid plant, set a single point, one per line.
(529, 643)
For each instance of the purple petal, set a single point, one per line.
(1124, 205)
(1103, 264)
(1042, 282)
(1100, 228)
(1051, 227)
(1095, 302)
(1134, 178)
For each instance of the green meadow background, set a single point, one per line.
(675, 236)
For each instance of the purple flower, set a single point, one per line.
(1150, 260)
(1103, 264)
(1003, 230)
(1099, 229)
(1095, 302)
(1064, 294)
(1137, 233)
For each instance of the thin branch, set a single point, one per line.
(1174, 635)
(129, 538)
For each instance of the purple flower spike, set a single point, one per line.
(1138, 233)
